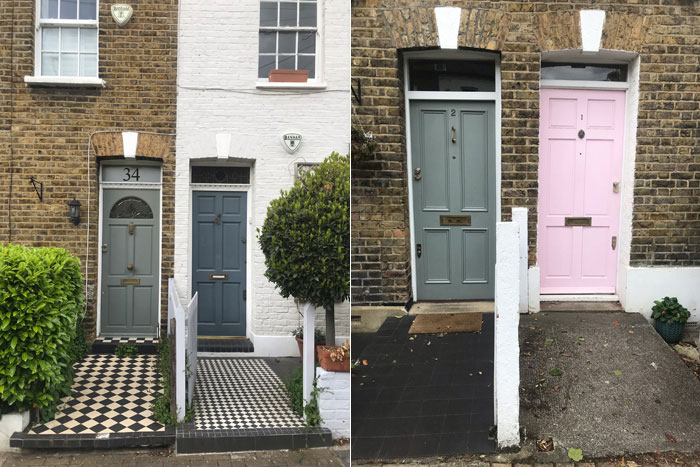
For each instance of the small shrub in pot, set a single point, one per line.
(669, 318)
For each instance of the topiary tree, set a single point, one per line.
(306, 238)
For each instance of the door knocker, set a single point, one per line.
(217, 219)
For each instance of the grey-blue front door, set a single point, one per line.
(130, 237)
(454, 198)
(218, 261)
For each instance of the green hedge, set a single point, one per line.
(41, 300)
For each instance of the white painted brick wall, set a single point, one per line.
(334, 401)
(217, 75)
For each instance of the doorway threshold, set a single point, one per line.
(579, 298)
(599, 306)
(224, 345)
(465, 306)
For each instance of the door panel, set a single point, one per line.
(218, 261)
(581, 135)
(454, 204)
(130, 237)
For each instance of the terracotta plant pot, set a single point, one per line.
(288, 76)
(324, 356)
(301, 349)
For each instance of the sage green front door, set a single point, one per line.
(130, 238)
(454, 199)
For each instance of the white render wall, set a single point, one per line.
(334, 401)
(218, 93)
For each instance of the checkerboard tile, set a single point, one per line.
(240, 393)
(127, 340)
(110, 394)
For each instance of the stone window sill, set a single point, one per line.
(65, 81)
(290, 85)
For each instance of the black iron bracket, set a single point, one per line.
(38, 187)
(357, 91)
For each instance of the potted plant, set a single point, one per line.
(288, 76)
(669, 318)
(319, 339)
(334, 357)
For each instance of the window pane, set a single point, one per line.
(69, 39)
(88, 9)
(265, 64)
(452, 75)
(69, 64)
(587, 72)
(288, 14)
(267, 42)
(49, 8)
(307, 42)
(288, 42)
(286, 62)
(88, 65)
(268, 14)
(308, 62)
(307, 14)
(69, 9)
(49, 39)
(49, 64)
(88, 40)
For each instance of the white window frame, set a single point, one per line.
(38, 78)
(313, 83)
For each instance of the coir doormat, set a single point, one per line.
(436, 323)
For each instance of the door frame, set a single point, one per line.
(228, 188)
(629, 146)
(446, 96)
(129, 186)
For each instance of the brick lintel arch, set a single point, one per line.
(110, 145)
(416, 27)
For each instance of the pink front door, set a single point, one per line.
(581, 135)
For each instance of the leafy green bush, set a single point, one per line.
(295, 388)
(40, 301)
(306, 238)
(670, 311)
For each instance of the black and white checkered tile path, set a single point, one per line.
(110, 394)
(238, 393)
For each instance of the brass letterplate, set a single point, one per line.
(131, 281)
(456, 220)
(577, 221)
(218, 277)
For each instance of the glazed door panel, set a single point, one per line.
(581, 137)
(454, 199)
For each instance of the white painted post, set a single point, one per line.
(507, 348)
(520, 218)
(180, 346)
(309, 352)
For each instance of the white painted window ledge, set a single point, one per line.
(65, 81)
(300, 86)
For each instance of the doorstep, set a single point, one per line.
(107, 345)
(227, 345)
